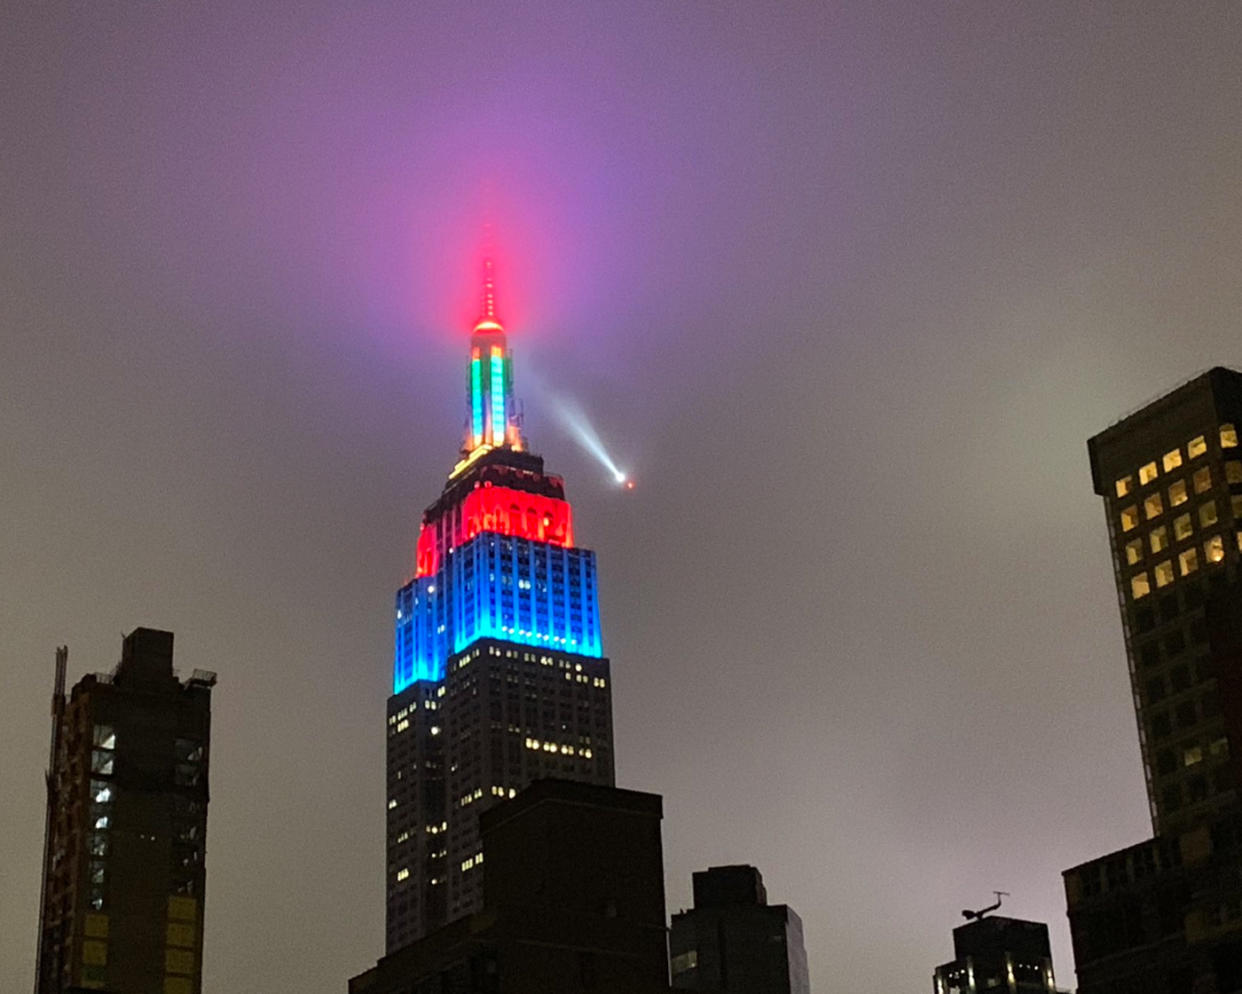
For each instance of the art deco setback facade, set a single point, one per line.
(125, 863)
(499, 676)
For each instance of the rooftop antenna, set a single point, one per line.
(976, 915)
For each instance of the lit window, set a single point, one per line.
(1192, 756)
(1219, 748)
(1129, 518)
(1182, 527)
(1125, 485)
(1196, 446)
(1233, 471)
(1172, 460)
(1159, 539)
(1214, 549)
(1203, 479)
(1228, 437)
(1140, 586)
(1177, 493)
(1188, 561)
(1153, 506)
(1207, 514)
(1134, 551)
(1235, 503)
(1148, 473)
(402, 874)
(1164, 573)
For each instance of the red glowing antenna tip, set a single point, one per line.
(488, 320)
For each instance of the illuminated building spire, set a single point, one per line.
(493, 422)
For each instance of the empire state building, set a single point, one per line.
(499, 676)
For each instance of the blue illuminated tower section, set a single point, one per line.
(499, 676)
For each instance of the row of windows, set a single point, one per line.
(1188, 562)
(1173, 459)
(1154, 506)
(1182, 526)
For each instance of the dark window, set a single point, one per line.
(1179, 677)
(1160, 725)
(1155, 689)
(1169, 607)
(1186, 714)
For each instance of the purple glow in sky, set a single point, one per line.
(847, 285)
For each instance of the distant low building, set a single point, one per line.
(997, 953)
(573, 903)
(733, 941)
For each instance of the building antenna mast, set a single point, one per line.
(976, 915)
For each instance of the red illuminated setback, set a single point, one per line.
(499, 510)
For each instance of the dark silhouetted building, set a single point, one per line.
(573, 903)
(499, 676)
(734, 941)
(996, 953)
(1166, 915)
(122, 907)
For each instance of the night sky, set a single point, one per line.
(845, 287)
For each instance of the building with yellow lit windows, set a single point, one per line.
(1166, 915)
(124, 873)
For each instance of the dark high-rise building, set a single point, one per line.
(996, 953)
(573, 903)
(1166, 915)
(735, 942)
(1171, 478)
(499, 676)
(122, 907)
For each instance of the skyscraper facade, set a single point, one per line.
(124, 865)
(1171, 478)
(1165, 915)
(499, 676)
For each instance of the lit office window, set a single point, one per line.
(1164, 573)
(1188, 561)
(1203, 479)
(1159, 539)
(1233, 471)
(1177, 493)
(1228, 437)
(1214, 549)
(1125, 485)
(1134, 551)
(1153, 506)
(1207, 514)
(1235, 502)
(1182, 527)
(1196, 446)
(1172, 460)
(1192, 756)
(1140, 586)
(1149, 472)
